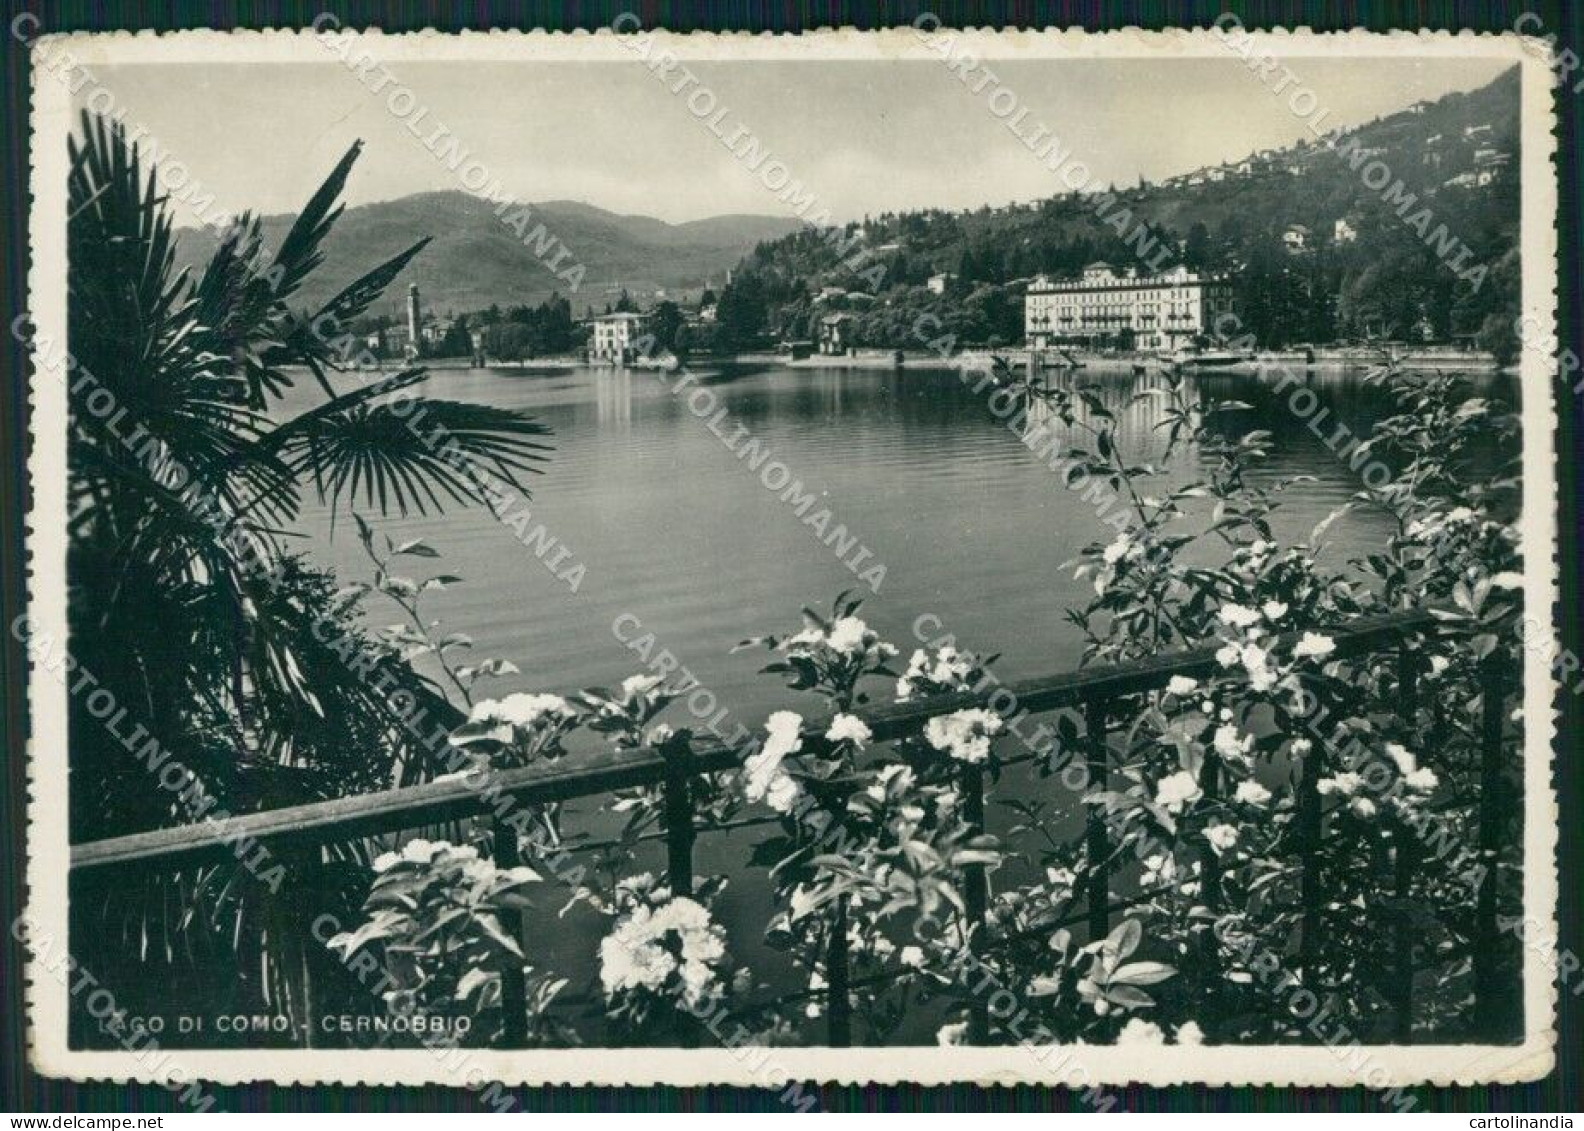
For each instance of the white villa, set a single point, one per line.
(1102, 308)
(615, 338)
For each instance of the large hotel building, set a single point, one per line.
(1102, 308)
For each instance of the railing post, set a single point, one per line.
(1487, 935)
(1405, 863)
(308, 864)
(976, 897)
(514, 986)
(838, 1012)
(1210, 875)
(679, 829)
(1310, 893)
(1097, 842)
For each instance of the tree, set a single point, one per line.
(186, 604)
(742, 311)
(666, 321)
(457, 341)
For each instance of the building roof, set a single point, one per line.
(619, 316)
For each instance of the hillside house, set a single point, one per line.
(837, 333)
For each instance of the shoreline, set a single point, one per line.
(1462, 360)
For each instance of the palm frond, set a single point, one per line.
(411, 459)
(303, 248)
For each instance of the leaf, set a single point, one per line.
(1142, 974)
(472, 980)
(1128, 997)
(416, 548)
(1125, 938)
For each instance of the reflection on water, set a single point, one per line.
(678, 532)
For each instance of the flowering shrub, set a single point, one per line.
(664, 964)
(1271, 806)
(437, 925)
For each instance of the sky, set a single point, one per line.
(864, 137)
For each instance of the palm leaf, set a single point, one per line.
(373, 450)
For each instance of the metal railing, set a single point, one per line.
(299, 831)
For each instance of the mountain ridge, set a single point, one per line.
(479, 256)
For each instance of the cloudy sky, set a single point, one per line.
(864, 137)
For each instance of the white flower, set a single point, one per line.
(911, 956)
(385, 861)
(1159, 869)
(1181, 685)
(782, 792)
(1274, 610)
(1189, 1033)
(1406, 762)
(1422, 780)
(1362, 807)
(965, 735)
(421, 851)
(1255, 662)
(639, 685)
(650, 944)
(1346, 784)
(1221, 837)
(765, 780)
(1439, 664)
(848, 635)
(1251, 793)
(954, 1034)
(1140, 1032)
(947, 670)
(849, 728)
(1239, 616)
(1301, 746)
(519, 710)
(1230, 744)
(1060, 877)
(807, 636)
(1314, 644)
(1176, 791)
(1227, 655)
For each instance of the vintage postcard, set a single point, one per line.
(922, 556)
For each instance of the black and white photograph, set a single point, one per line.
(912, 557)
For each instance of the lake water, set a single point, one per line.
(678, 535)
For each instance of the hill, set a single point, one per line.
(1319, 248)
(477, 258)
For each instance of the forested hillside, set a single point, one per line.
(1404, 228)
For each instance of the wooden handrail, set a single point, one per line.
(585, 775)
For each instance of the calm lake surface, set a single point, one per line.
(676, 531)
(678, 534)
